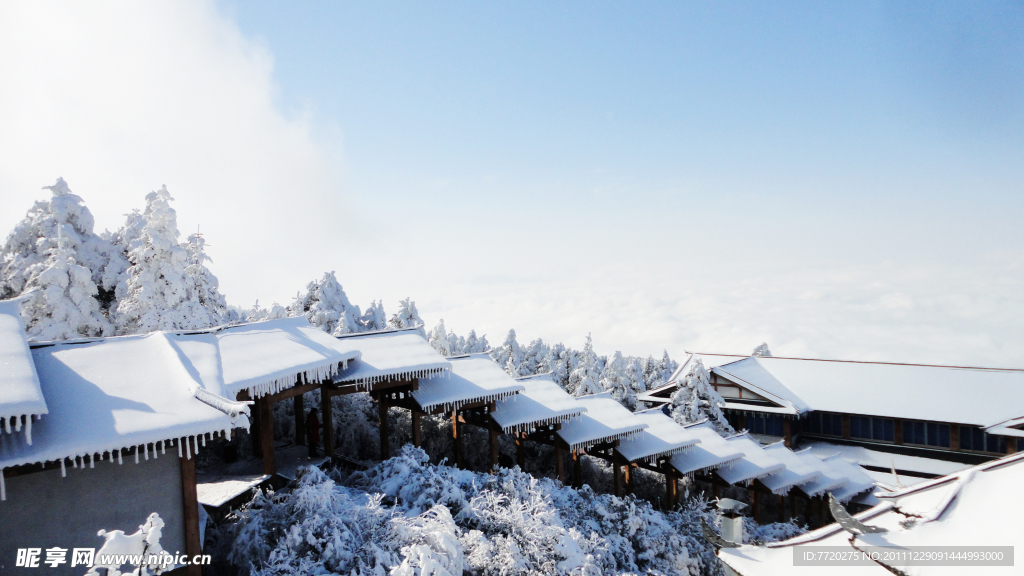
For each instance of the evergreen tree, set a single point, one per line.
(438, 338)
(407, 316)
(613, 379)
(204, 305)
(327, 307)
(585, 377)
(695, 400)
(375, 319)
(509, 355)
(762, 351)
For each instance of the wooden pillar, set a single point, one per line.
(385, 430)
(792, 506)
(560, 464)
(787, 432)
(628, 478)
(671, 489)
(457, 438)
(190, 512)
(521, 451)
(755, 503)
(617, 476)
(327, 416)
(823, 507)
(417, 428)
(300, 420)
(714, 489)
(256, 430)
(493, 431)
(1011, 445)
(577, 469)
(267, 436)
(782, 509)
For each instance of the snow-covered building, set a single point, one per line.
(977, 507)
(920, 420)
(21, 398)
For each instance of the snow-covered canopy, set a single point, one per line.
(263, 357)
(391, 355)
(21, 397)
(980, 506)
(924, 467)
(978, 396)
(756, 462)
(712, 453)
(797, 471)
(829, 478)
(107, 395)
(662, 437)
(604, 421)
(542, 403)
(474, 378)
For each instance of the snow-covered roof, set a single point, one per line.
(21, 397)
(604, 421)
(980, 506)
(662, 437)
(756, 462)
(712, 453)
(117, 393)
(541, 403)
(927, 467)
(391, 355)
(1012, 427)
(797, 470)
(979, 396)
(473, 378)
(829, 478)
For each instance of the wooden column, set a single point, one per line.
(1011, 445)
(417, 428)
(577, 469)
(628, 478)
(256, 430)
(457, 438)
(787, 432)
(300, 420)
(617, 477)
(755, 503)
(714, 489)
(385, 430)
(782, 508)
(267, 436)
(494, 432)
(560, 464)
(671, 489)
(190, 512)
(327, 416)
(521, 451)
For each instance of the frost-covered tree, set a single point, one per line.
(326, 306)
(438, 338)
(557, 363)
(762, 351)
(407, 316)
(65, 220)
(374, 319)
(533, 357)
(204, 304)
(695, 400)
(614, 380)
(585, 378)
(509, 355)
(157, 286)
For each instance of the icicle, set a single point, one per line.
(136, 454)
(164, 444)
(145, 451)
(155, 444)
(195, 445)
(3, 489)
(188, 454)
(63, 470)
(92, 461)
(120, 460)
(204, 440)
(7, 425)
(179, 448)
(28, 430)
(74, 463)
(227, 434)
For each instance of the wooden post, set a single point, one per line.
(714, 489)
(521, 452)
(457, 438)
(1011, 445)
(629, 478)
(267, 436)
(671, 489)
(787, 432)
(577, 469)
(256, 431)
(327, 415)
(417, 428)
(385, 430)
(792, 506)
(782, 508)
(300, 420)
(494, 431)
(755, 503)
(560, 464)
(190, 512)
(617, 476)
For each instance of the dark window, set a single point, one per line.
(926, 433)
(869, 428)
(767, 424)
(1020, 444)
(972, 438)
(821, 423)
(860, 427)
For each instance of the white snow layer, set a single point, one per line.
(868, 457)
(712, 453)
(21, 397)
(474, 378)
(797, 471)
(662, 437)
(980, 506)
(755, 464)
(114, 394)
(604, 421)
(393, 355)
(541, 403)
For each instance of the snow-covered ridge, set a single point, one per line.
(21, 398)
(605, 420)
(386, 355)
(474, 378)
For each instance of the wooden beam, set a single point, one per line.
(629, 478)
(617, 477)
(782, 508)
(755, 504)
(493, 433)
(457, 438)
(190, 512)
(577, 469)
(290, 393)
(560, 464)
(300, 419)
(382, 419)
(267, 436)
(417, 428)
(671, 486)
(521, 451)
(787, 432)
(327, 417)
(256, 430)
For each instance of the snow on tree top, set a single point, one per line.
(393, 354)
(20, 392)
(542, 403)
(662, 437)
(473, 378)
(755, 464)
(110, 394)
(980, 506)
(713, 452)
(796, 472)
(604, 421)
(263, 357)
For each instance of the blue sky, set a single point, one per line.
(837, 179)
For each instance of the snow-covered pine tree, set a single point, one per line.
(696, 400)
(204, 304)
(60, 298)
(327, 307)
(375, 319)
(34, 239)
(157, 287)
(584, 379)
(407, 316)
(457, 344)
(127, 238)
(667, 366)
(509, 356)
(613, 379)
(438, 338)
(635, 376)
(556, 362)
(533, 357)
(762, 351)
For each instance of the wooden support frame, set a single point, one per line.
(671, 485)
(628, 478)
(327, 418)
(385, 429)
(577, 469)
(417, 428)
(521, 451)
(457, 439)
(267, 436)
(617, 465)
(190, 512)
(493, 432)
(300, 419)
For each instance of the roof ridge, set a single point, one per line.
(863, 362)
